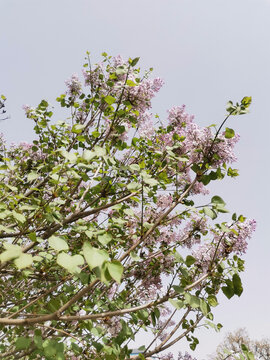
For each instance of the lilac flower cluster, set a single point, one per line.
(186, 356)
(225, 243)
(192, 231)
(244, 232)
(181, 356)
(168, 356)
(27, 109)
(163, 323)
(164, 201)
(74, 85)
(198, 142)
(26, 152)
(113, 326)
(146, 126)
(139, 95)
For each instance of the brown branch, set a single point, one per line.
(158, 221)
(159, 349)
(56, 315)
(61, 331)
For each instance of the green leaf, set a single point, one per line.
(179, 289)
(88, 155)
(99, 151)
(204, 307)
(135, 167)
(104, 239)
(134, 61)
(151, 181)
(93, 256)
(133, 186)
(148, 179)
(221, 209)
(244, 347)
(70, 263)
(96, 134)
(78, 128)
(102, 273)
(178, 304)
(190, 260)
(22, 343)
(19, 217)
(110, 100)
(70, 156)
(224, 228)
(23, 261)
(232, 172)
(116, 269)
(32, 176)
(129, 212)
(121, 70)
(228, 291)
(178, 257)
(237, 285)
(131, 83)
(134, 256)
(192, 300)
(58, 243)
(218, 200)
(246, 101)
(38, 341)
(12, 252)
(49, 348)
(209, 212)
(229, 133)
(212, 300)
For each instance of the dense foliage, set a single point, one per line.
(100, 236)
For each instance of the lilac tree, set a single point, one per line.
(239, 346)
(100, 235)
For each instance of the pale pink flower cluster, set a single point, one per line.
(168, 356)
(225, 243)
(27, 109)
(198, 142)
(118, 61)
(114, 326)
(162, 322)
(164, 201)
(196, 226)
(141, 95)
(245, 230)
(150, 286)
(184, 179)
(25, 151)
(146, 126)
(186, 356)
(112, 290)
(94, 77)
(74, 85)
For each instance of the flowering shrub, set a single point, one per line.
(100, 236)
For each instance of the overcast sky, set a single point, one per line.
(207, 52)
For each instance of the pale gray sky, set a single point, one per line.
(207, 51)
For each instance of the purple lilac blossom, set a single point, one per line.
(74, 86)
(186, 356)
(224, 243)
